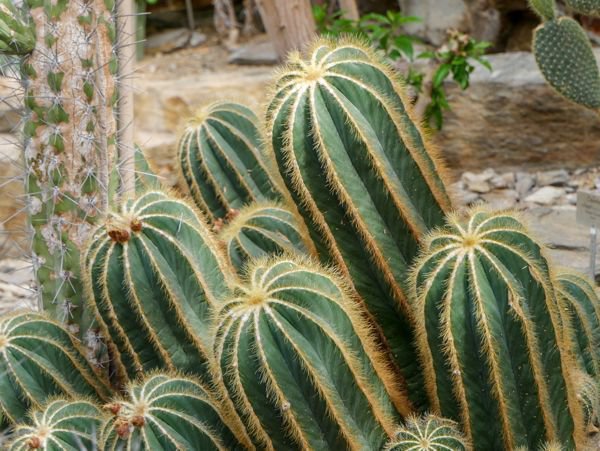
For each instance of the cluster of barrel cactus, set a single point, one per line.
(316, 292)
(564, 53)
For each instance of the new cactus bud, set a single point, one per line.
(585, 7)
(363, 176)
(546, 9)
(565, 57)
(263, 229)
(489, 334)
(222, 161)
(580, 305)
(428, 433)
(154, 275)
(300, 365)
(39, 360)
(61, 425)
(167, 412)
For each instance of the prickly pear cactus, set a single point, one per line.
(428, 433)
(69, 130)
(39, 360)
(60, 425)
(168, 411)
(585, 7)
(564, 54)
(300, 365)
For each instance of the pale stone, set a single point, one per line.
(547, 195)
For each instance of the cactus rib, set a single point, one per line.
(221, 159)
(490, 334)
(365, 180)
(300, 366)
(154, 275)
(39, 359)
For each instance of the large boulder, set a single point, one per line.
(510, 118)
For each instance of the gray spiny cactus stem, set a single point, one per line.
(69, 136)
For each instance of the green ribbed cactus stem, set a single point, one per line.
(565, 58)
(580, 305)
(154, 274)
(364, 178)
(588, 395)
(168, 411)
(68, 71)
(300, 364)
(145, 177)
(17, 35)
(490, 335)
(39, 359)
(61, 425)
(222, 160)
(264, 229)
(546, 9)
(428, 433)
(585, 7)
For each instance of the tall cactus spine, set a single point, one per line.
(580, 306)
(60, 425)
(428, 433)
(69, 127)
(264, 229)
(39, 360)
(222, 160)
(490, 337)
(168, 411)
(154, 275)
(365, 180)
(300, 365)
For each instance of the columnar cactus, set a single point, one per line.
(580, 305)
(489, 335)
(263, 229)
(61, 425)
(363, 176)
(221, 160)
(154, 276)
(564, 54)
(39, 359)
(168, 412)
(299, 364)
(428, 433)
(69, 130)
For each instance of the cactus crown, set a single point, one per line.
(428, 433)
(60, 423)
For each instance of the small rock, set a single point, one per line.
(525, 182)
(503, 199)
(555, 178)
(571, 198)
(261, 53)
(503, 181)
(547, 195)
(479, 183)
(197, 39)
(169, 40)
